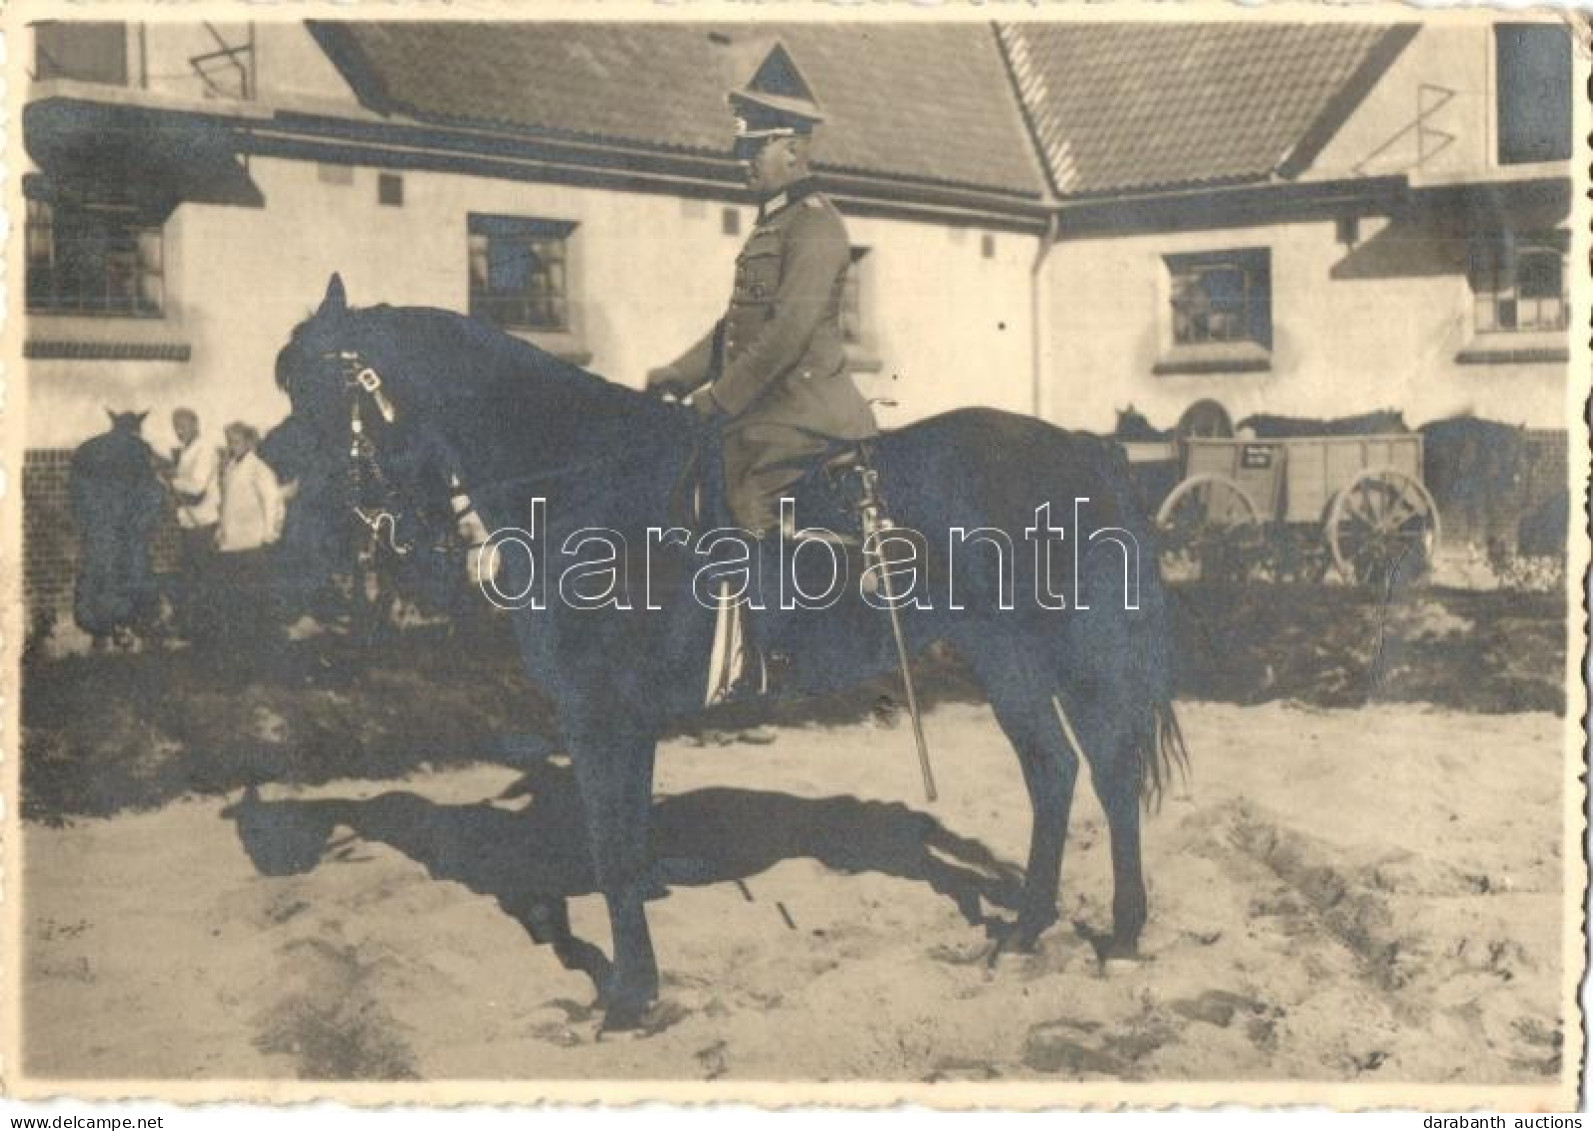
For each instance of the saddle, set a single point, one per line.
(750, 658)
(828, 498)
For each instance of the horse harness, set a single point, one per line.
(365, 385)
(846, 474)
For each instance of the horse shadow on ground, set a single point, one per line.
(532, 860)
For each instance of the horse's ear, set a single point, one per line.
(110, 412)
(336, 301)
(141, 416)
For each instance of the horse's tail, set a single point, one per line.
(1158, 740)
(1161, 753)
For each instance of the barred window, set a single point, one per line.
(519, 272)
(93, 259)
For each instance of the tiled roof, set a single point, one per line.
(930, 103)
(1136, 106)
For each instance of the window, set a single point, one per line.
(88, 259)
(1222, 296)
(1518, 282)
(87, 52)
(389, 189)
(519, 272)
(1533, 78)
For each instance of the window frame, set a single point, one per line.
(123, 235)
(1494, 279)
(1246, 342)
(553, 248)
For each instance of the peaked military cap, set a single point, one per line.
(777, 102)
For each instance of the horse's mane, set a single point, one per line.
(458, 357)
(514, 411)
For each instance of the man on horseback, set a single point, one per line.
(772, 372)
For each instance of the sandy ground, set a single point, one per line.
(1357, 895)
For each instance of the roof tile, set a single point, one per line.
(1135, 107)
(928, 102)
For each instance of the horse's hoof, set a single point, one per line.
(1119, 957)
(1014, 939)
(624, 1016)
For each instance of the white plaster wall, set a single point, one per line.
(1341, 345)
(1432, 115)
(954, 327)
(1442, 80)
(652, 273)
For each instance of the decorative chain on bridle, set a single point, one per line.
(364, 469)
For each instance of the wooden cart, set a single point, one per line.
(1297, 504)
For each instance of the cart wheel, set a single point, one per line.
(1383, 528)
(1209, 529)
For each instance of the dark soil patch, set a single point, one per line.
(110, 732)
(1335, 646)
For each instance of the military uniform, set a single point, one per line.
(775, 365)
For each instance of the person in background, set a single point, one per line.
(196, 488)
(249, 526)
(251, 499)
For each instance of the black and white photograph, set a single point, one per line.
(1005, 555)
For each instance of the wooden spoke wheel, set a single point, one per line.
(1383, 528)
(1209, 529)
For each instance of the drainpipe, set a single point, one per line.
(1036, 310)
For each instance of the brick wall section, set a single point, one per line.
(49, 539)
(49, 535)
(1541, 484)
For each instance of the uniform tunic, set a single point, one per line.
(776, 363)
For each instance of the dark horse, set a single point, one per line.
(116, 504)
(449, 402)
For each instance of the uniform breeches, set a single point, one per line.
(763, 463)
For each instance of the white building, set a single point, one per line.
(1065, 219)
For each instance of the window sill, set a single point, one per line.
(96, 315)
(1516, 348)
(51, 349)
(561, 344)
(1214, 357)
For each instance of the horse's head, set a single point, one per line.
(359, 417)
(310, 368)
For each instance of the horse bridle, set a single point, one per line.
(365, 387)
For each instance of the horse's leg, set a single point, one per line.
(1022, 703)
(1111, 747)
(614, 769)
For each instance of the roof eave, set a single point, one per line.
(1232, 205)
(522, 155)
